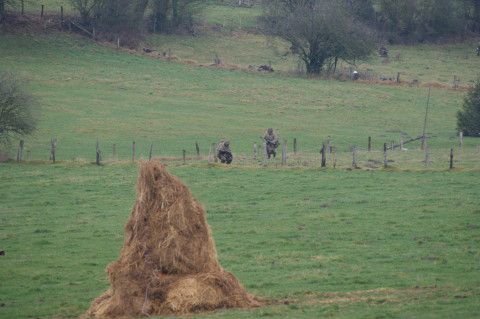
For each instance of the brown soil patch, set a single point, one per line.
(379, 295)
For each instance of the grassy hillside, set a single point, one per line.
(426, 63)
(90, 91)
(401, 242)
(337, 244)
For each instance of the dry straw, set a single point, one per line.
(168, 264)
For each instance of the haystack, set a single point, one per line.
(168, 264)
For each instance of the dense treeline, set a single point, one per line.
(398, 20)
(322, 32)
(421, 20)
(127, 16)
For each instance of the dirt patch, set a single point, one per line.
(168, 264)
(376, 296)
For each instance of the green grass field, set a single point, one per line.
(369, 243)
(331, 243)
(90, 91)
(428, 63)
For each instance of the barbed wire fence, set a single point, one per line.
(393, 155)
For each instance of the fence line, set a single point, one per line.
(327, 156)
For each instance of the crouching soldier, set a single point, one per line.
(271, 141)
(224, 153)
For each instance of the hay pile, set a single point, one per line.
(168, 264)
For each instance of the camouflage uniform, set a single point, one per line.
(383, 52)
(224, 153)
(271, 141)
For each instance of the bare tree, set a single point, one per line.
(18, 109)
(2, 10)
(85, 9)
(319, 31)
(168, 15)
(3, 4)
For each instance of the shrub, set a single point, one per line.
(18, 109)
(468, 119)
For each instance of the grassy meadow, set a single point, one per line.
(401, 242)
(90, 91)
(315, 243)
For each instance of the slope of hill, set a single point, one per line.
(91, 91)
(343, 243)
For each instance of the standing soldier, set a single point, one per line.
(271, 141)
(224, 153)
(383, 52)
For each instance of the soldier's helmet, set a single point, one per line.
(270, 131)
(226, 143)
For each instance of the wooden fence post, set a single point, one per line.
(118, 41)
(324, 159)
(151, 152)
(424, 136)
(210, 154)
(424, 142)
(53, 149)
(215, 158)
(295, 146)
(255, 151)
(197, 149)
(284, 152)
(427, 155)
(369, 143)
(20, 151)
(23, 7)
(460, 137)
(265, 155)
(133, 151)
(334, 157)
(385, 163)
(451, 158)
(184, 153)
(354, 159)
(456, 82)
(61, 16)
(41, 13)
(97, 154)
(398, 77)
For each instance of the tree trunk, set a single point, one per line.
(175, 12)
(160, 10)
(2, 10)
(476, 16)
(314, 66)
(314, 60)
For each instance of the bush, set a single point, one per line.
(18, 109)
(468, 119)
